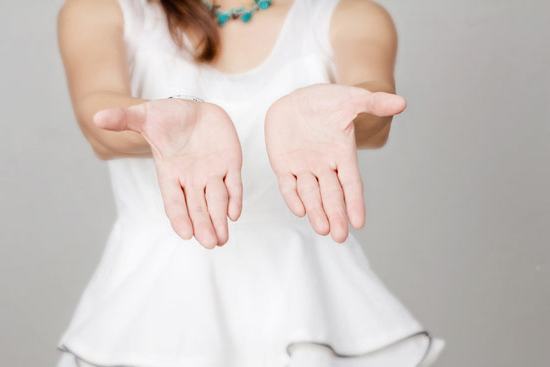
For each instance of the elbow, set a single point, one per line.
(99, 147)
(376, 141)
(103, 156)
(101, 152)
(372, 143)
(381, 143)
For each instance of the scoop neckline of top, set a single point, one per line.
(267, 60)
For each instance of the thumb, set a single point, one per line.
(380, 104)
(122, 118)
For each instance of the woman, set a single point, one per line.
(281, 93)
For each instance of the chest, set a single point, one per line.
(257, 62)
(245, 46)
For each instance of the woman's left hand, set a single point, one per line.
(310, 140)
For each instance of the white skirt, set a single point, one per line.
(418, 351)
(275, 295)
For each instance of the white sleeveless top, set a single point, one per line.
(156, 300)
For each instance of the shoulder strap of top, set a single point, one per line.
(133, 14)
(138, 15)
(321, 12)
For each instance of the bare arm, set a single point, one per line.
(195, 146)
(364, 40)
(94, 55)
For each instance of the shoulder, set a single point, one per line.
(82, 13)
(362, 19)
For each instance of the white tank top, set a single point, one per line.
(156, 300)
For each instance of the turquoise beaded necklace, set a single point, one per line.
(243, 13)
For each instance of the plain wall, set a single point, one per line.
(458, 222)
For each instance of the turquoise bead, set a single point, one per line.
(264, 4)
(246, 16)
(223, 18)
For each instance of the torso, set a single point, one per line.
(245, 46)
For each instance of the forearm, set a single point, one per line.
(371, 132)
(109, 144)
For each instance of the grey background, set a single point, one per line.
(458, 203)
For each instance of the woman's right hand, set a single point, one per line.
(198, 161)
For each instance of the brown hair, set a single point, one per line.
(193, 16)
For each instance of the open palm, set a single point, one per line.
(198, 161)
(310, 140)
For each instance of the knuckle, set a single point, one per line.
(197, 209)
(172, 203)
(235, 186)
(216, 196)
(287, 189)
(195, 183)
(235, 190)
(338, 216)
(307, 189)
(350, 183)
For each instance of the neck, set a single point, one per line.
(232, 3)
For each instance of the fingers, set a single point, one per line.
(334, 205)
(200, 217)
(378, 103)
(175, 206)
(217, 203)
(235, 190)
(288, 187)
(122, 118)
(352, 185)
(308, 189)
